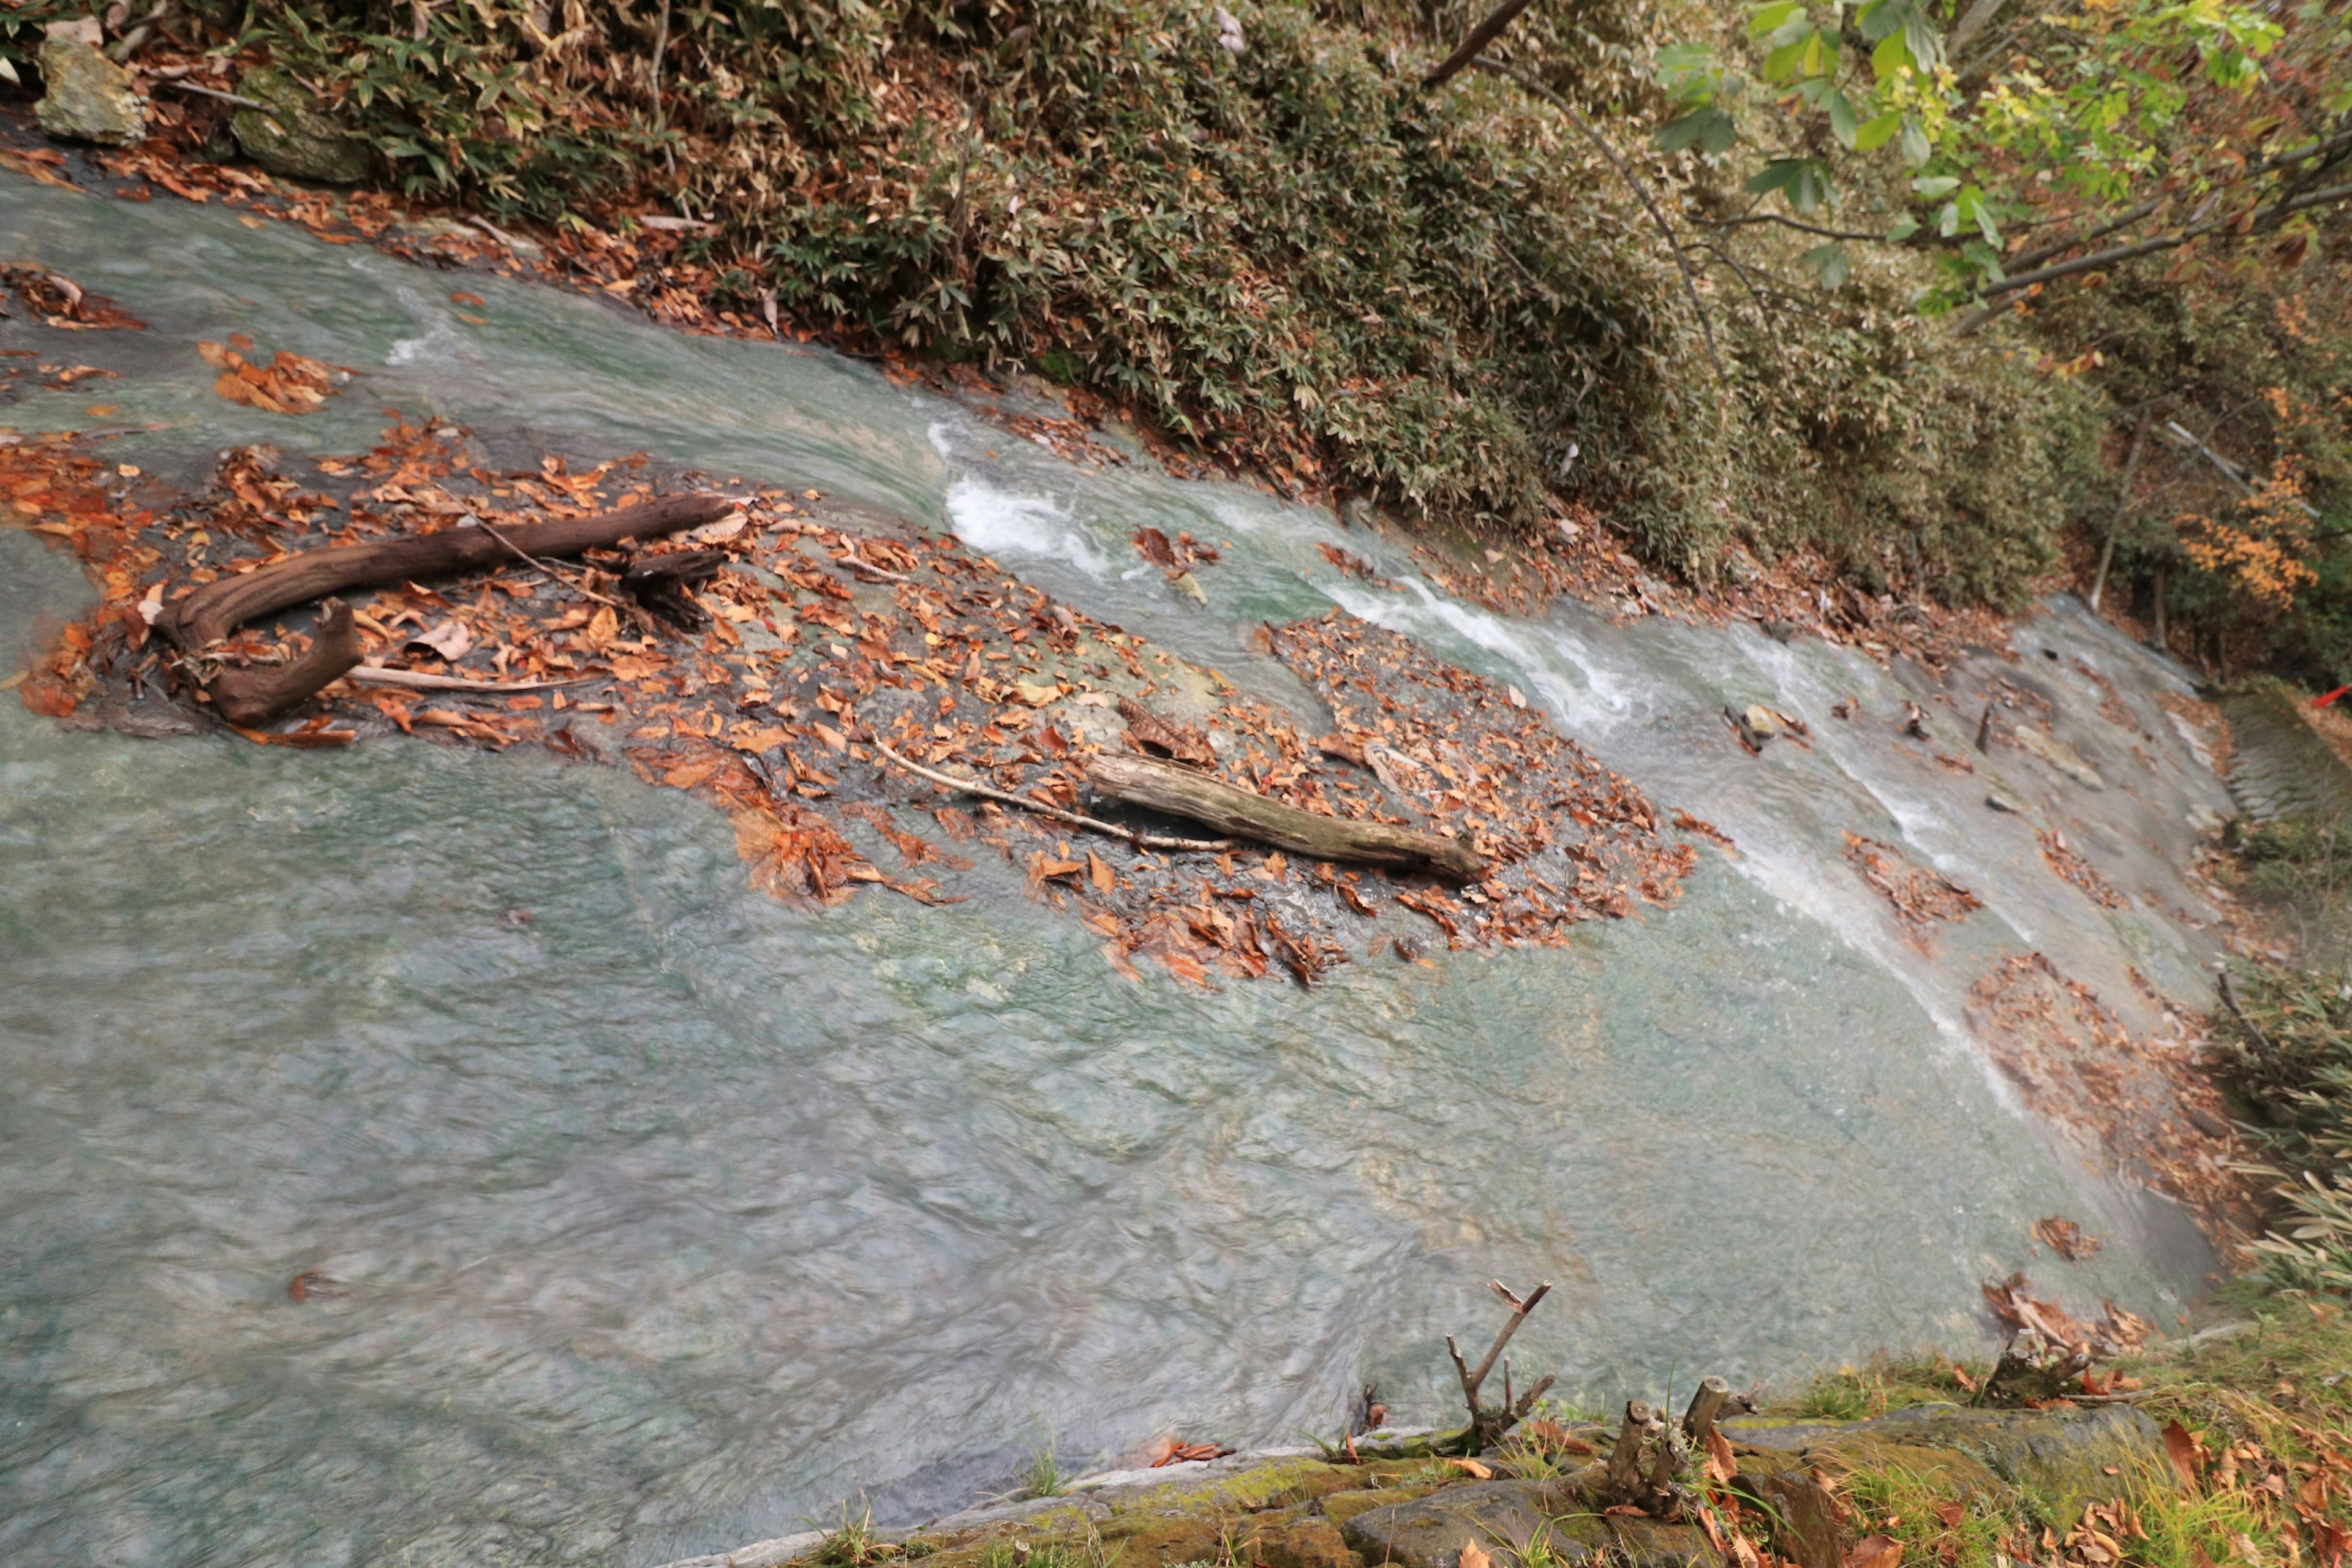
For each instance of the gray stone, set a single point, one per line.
(2059, 755)
(1497, 1516)
(87, 97)
(293, 136)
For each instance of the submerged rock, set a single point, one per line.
(89, 97)
(293, 136)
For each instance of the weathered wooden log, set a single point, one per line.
(1244, 814)
(214, 610)
(660, 585)
(253, 696)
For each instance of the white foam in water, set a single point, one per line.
(1009, 522)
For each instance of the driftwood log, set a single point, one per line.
(216, 609)
(248, 696)
(1244, 814)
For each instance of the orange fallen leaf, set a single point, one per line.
(1476, 1472)
(2181, 1447)
(1720, 1464)
(1874, 1552)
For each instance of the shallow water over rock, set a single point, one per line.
(670, 1217)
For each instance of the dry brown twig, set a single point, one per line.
(1072, 818)
(1489, 1423)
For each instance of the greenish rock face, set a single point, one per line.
(293, 137)
(88, 96)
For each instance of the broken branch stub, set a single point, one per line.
(252, 696)
(216, 609)
(1705, 1404)
(1625, 1458)
(1179, 791)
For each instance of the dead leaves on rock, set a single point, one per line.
(62, 303)
(2061, 858)
(288, 383)
(2143, 1101)
(2118, 1331)
(2065, 1238)
(1919, 896)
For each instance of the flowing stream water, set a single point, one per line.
(676, 1217)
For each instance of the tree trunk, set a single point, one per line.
(216, 609)
(2123, 503)
(1244, 814)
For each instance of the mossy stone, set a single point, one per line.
(87, 97)
(293, 136)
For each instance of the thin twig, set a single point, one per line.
(858, 563)
(238, 98)
(2229, 998)
(576, 587)
(421, 680)
(1787, 222)
(1520, 1311)
(1074, 818)
(1682, 262)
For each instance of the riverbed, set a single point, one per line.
(671, 1218)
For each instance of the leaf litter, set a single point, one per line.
(814, 641)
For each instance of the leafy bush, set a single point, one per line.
(1288, 254)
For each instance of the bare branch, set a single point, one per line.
(1469, 1384)
(2121, 253)
(1479, 36)
(1787, 222)
(1518, 1315)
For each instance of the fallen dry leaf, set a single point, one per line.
(1874, 1552)
(448, 640)
(2181, 1447)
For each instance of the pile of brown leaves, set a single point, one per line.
(2144, 1102)
(2117, 1332)
(1918, 895)
(288, 383)
(2062, 859)
(62, 303)
(817, 640)
(2065, 1237)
